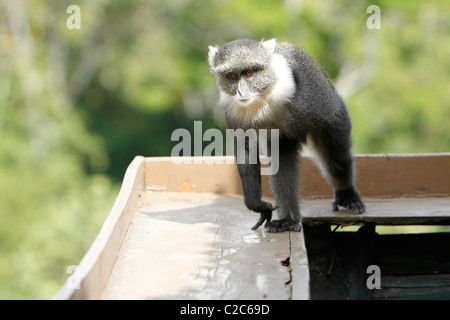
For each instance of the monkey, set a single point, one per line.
(278, 85)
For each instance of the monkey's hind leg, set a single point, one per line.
(337, 165)
(284, 185)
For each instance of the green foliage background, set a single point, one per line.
(77, 105)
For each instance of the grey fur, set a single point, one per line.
(288, 91)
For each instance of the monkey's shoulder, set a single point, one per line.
(292, 52)
(302, 64)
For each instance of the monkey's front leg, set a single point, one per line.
(251, 185)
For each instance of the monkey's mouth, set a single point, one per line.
(249, 99)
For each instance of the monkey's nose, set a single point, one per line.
(244, 92)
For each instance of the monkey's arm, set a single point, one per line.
(251, 186)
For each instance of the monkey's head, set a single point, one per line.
(243, 69)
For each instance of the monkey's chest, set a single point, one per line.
(259, 115)
(269, 117)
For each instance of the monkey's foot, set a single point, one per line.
(350, 200)
(286, 224)
(356, 207)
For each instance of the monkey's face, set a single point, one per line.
(243, 70)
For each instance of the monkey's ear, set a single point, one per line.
(211, 54)
(270, 45)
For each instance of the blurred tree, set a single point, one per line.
(46, 195)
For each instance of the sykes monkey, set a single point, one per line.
(277, 85)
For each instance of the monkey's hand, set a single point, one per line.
(265, 209)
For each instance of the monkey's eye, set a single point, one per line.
(248, 73)
(233, 75)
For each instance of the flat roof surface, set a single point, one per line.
(201, 246)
